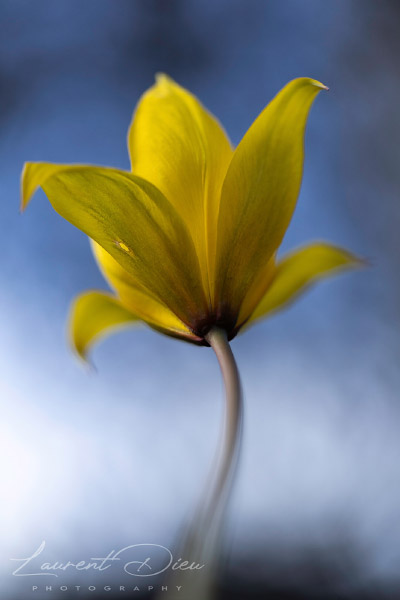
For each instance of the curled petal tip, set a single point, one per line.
(356, 262)
(25, 196)
(308, 81)
(84, 360)
(320, 85)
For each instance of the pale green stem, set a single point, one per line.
(204, 536)
(218, 341)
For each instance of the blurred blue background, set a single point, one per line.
(91, 462)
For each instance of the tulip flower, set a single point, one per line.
(188, 239)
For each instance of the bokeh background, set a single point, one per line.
(96, 461)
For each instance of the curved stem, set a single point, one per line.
(218, 341)
(206, 531)
(202, 540)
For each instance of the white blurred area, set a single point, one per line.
(96, 461)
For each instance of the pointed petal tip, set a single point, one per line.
(83, 358)
(162, 80)
(160, 76)
(320, 85)
(308, 81)
(351, 260)
(80, 352)
(24, 196)
(162, 84)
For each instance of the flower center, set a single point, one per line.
(223, 319)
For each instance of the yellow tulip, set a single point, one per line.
(188, 239)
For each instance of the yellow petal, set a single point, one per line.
(33, 175)
(259, 193)
(256, 291)
(297, 271)
(182, 149)
(94, 315)
(134, 222)
(139, 301)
